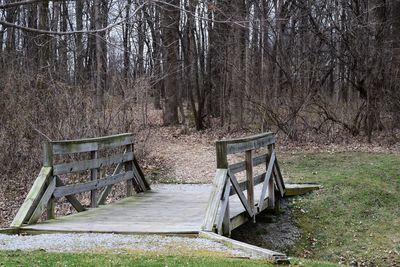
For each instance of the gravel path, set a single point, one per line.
(112, 243)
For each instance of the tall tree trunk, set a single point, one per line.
(395, 36)
(126, 41)
(45, 46)
(11, 16)
(79, 53)
(63, 51)
(154, 27)
(99, 91)
(377, 10)
(170, 24)
(141, 31)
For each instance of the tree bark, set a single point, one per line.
(79, 52)
(170, 24)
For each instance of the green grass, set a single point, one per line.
(43, 259)
(355, 218)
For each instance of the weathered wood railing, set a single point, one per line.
(226, 184)
(48, 187)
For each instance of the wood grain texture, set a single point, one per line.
(240, 194)
(94, 173)
(91, 144)
(223, 220)
(163, 210)
(91, 164)
(168, 209)
(92, 185)
(300, 189)
(214, 199)
(250, 181)
(267, 178)
(33, 197)
(255, 252)
(103, 196)
(42, 205)
(243, 186)
(71, 199)
(139, 170)
(241, 166)
(233, 146)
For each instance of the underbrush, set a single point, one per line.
(355, 218)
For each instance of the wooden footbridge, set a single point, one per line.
(212, 210)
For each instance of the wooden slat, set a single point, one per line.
(41, 207)
(254, 251)
(141, 174)
(226, 223)
(300, 189)
(91, 164)
(141, 187)
(257, 179)
(92, 185)
(214, 200)
(266, 180)
(107, 189)
(279, 178)
(33, 197)
(241, 166)
(222, 159)
(238, 145)
(47, 155)
(129, 167)
(94, 173)
(224, 211)
(250, 181)
(91, 144)
(240, 194)
(71, 199)
(271, 193)
(51, 206)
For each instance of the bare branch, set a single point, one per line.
(28, 29)
(21, 3)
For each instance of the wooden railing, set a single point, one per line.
(48, 187)
(226, 184)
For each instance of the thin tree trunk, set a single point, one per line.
(79, 53)
(99, 91)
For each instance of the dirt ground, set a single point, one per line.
(274, 231)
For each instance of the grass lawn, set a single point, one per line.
(41, 258)
(355, 218)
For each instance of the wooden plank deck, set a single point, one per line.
(166, 209)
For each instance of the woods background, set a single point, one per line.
(73, 69)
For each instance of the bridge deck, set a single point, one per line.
(166, 209)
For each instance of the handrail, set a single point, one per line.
(237, 145)
(49, 186)
(90, 144)
(226, 184)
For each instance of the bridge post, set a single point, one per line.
(48, 162)
(222, 159)
(250, 182)
(94, 173)
(129, 167)
(271, 187)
